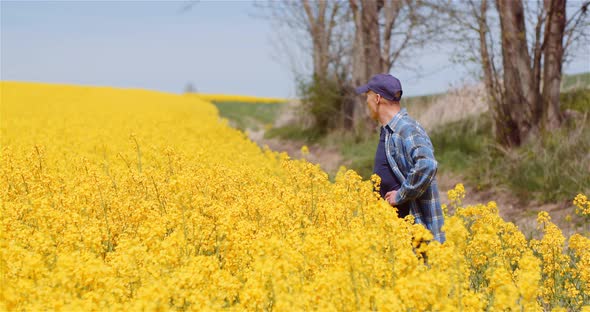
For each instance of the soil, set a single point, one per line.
(521, 211)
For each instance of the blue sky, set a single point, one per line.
(216, 45)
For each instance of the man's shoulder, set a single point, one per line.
(408, 127)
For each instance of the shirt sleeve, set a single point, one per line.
(424, 169)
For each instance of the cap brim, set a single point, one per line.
(362, 89)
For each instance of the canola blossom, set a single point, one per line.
(122, 200)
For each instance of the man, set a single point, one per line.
(408, 167)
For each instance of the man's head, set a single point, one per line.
(387, 86)
(381, 89)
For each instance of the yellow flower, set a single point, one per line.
(133, 200)
(582, 205)
(457, 194)
(304, 150)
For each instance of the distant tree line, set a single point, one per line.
(519, 46)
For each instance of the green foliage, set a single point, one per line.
(248, 115)
(323, 99)
(578, 99)
(555, 167)
(358, 151)
(459, 143)
(552, 168)
(294, 133)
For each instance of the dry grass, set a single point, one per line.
(456, 104)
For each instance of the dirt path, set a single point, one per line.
(521, 211)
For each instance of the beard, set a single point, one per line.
(373, 114)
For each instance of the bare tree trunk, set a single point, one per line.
(553, 60)
(538, 46)
(359, 113)
(520, 94)
(524, 96)
(391, 10)
(320, 27)
(367, 60)
(348, 107)
(371, 38)
(504, 126)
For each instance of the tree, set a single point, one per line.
(554, 33)
(523, 90)
(384, 31)
(314, 31)
(520, 97)
(308, 27)
(321, 22)
(348, 42)
(190, 88)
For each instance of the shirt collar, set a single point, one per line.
(393, 122)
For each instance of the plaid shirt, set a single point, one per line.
(411, 157)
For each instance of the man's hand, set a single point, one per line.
(390, 197)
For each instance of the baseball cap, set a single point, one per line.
(385, 85)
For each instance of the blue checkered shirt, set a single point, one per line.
(411, 157)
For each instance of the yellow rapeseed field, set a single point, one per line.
(121, 200)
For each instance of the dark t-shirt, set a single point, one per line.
(388, 180)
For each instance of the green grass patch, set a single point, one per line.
(359, 152)
(578, 99)
(458, 144)
(294, 133)
(552, 168)
(249, 115)
(556, 167)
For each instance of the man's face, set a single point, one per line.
(373, 100)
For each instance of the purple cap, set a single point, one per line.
(383, 84)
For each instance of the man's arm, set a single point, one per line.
(424, 170)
